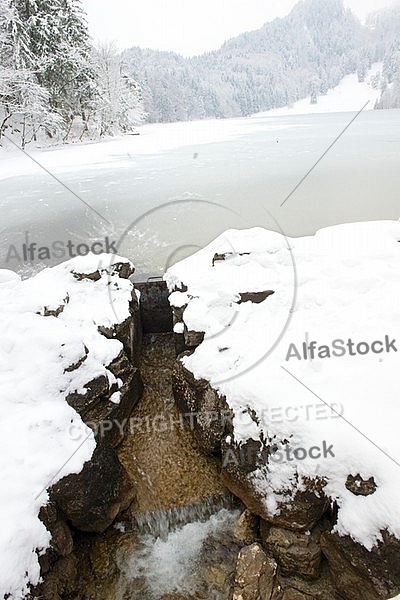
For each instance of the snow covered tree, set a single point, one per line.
(60, 43)
(24, 103)
(119, 105)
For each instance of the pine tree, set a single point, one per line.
(24, 103)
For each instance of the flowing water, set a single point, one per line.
(176, 540)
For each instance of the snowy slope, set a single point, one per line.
(341, 284)
(36, 421)
(348, 96)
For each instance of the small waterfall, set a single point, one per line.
(159, 523)
(192, 560)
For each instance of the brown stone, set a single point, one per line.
(359, 486)
(294, 551)
(93, 498)
(54, 312)
(96, 389)
(255, 297)
(61, 580)
(256, 575)
(61, 537)
(360, 573)
(192, 339)
(300, 511)
(211, 415)
(110, 421)
(246, 528)
(292, 594)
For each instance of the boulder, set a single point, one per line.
(110, 420)
(359, 573)
(296, 552)
(256, 575)
(93, 498)
(299, 511)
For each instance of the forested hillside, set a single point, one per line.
(299, 56)
(386, 29)
(54, 85)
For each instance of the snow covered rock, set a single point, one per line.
(52, 351)
(93, 498)
(311, 376)
(359, 573)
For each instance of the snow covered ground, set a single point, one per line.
(341, 284)
(348, 96)
(161, 137)
(36, 421)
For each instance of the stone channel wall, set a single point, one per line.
(295, 555)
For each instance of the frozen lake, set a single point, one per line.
(175, 187)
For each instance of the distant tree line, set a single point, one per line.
(302, 55)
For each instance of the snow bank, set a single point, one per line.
(36, 448)
(345, 281)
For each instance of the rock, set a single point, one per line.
(256, 575)
(292, 594)
(100, 559)
(96, 389)
(256, 297)
(54, 312)
(299, 511)
(122, 269)
(59, 582)
(359, 486)
(110, 420)
(79, 362)
(61, 537)
(360, 573)
(209, 412)
(295, 552)
(246, 528)
(93, 498)
(192, 339)
(312, 589)
(128, 334)
(218, 257)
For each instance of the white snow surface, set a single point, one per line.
(350, 95)
(343, 283)
(36, 437)
(156, 138)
